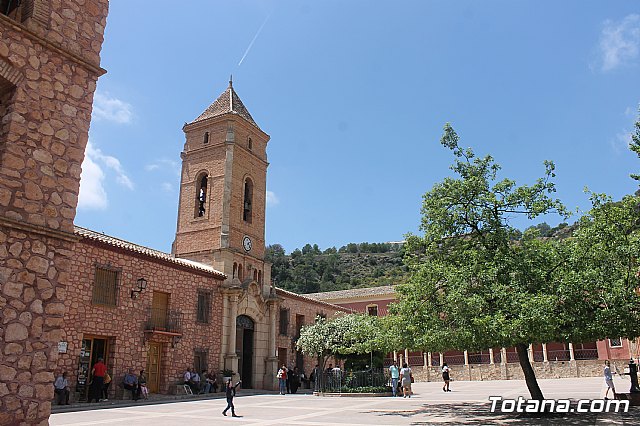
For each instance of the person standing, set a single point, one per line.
(316, 376)
(295, 380)
(445, 377)
(608, 379)
(282, 379)
(405, 377)
(61, 389)
(395, 375)
(231, 392)
(97, 380)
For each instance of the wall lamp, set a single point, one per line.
(142, 284)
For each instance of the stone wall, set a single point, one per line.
(49, 64)
(512, 371)
(123, 325)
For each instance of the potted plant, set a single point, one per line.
(227, 374)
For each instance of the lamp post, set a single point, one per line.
(141, 284)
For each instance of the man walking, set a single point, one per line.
(395, 375)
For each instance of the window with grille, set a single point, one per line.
(284, 321)
(372, 310)
(616, 342)
(204, 306)
(105, 286)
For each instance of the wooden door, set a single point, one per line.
(159, 309)
(153, 367)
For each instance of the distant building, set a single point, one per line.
(555, 359)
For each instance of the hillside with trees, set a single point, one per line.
(355, 265)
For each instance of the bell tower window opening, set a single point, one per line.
(250, 143)
(201, 195)
(248, 200)
(205, 138)
(260, 277)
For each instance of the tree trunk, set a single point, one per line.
(529, 374)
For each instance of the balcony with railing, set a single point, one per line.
(165, 321)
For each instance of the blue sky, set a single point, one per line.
(354, 95)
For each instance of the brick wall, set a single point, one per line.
(298, 305)
(123, 324)
(49, 64)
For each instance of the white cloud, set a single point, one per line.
(166, 187)
(164, 164)
(92, 191)
(92, 194)
(620, 42)
(621, 142)
(272, 199)
(111, 109)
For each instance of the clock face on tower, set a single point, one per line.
(246, 243)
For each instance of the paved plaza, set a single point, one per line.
(468, 403)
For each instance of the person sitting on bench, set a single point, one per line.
(130, 382)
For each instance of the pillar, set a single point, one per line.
(503, 355)
(491, 356)
(530, 351)
(231, 358)
(544, 353)
(406, 356)
(424, 359)
(395, 356)
(571, 355)
(429, 359)
(441, 359)
(466, 357)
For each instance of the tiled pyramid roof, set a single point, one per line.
(227, 103)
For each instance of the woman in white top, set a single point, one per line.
(445, 377)
(405, 379)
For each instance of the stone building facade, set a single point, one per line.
(210, 304)
(49, 64)
(169, 325)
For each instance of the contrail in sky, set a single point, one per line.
(254, 39)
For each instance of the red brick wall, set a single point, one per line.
(362, 306)
(124, 323)
(308, 308)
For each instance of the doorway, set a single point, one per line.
(244, 349)
(92, 348)
(153, 367)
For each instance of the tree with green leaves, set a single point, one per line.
(472, 285)
(342, 335)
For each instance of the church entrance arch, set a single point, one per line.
(245, 327)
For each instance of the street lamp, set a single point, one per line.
(142, 284)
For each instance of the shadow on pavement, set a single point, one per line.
(479, 414)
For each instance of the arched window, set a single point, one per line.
(240, 272)
(248, 200)
(260, 277)
(255, 275)
(201, 195)
(250, 144)
(205, 139)
(235, 269)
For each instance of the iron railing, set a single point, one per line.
(167, 320)
(585, 353)
(348, 381)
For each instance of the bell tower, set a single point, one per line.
(221, 212)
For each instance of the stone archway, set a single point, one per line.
(245, 327)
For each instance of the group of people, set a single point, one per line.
(200, 383)
(289, 380)
(401, 379)
(100, 383)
